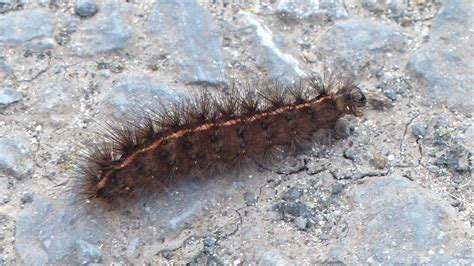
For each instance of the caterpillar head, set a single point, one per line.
(351, 100)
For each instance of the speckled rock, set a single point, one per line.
(363, 45)
(137, 93)
(305, 9)
(172, 212)
(445, 62)
(192, 37)
(48, 233)
(26, 197)
(6, 5)
(8, 96)
(14, 157)
(57, 103)
(86, 8)
(269, 57)
(88, 253)
(5, 69)
(25, 25)
(402, 224)
(106, 32)
(377, 6)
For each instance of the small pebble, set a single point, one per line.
(26, 197)
(301, 222)
(418, 130)
(456, 203)
(8, 96)
(86, 8)
(391, 95)
(88, 253)
(337, 188)
(293, 193)
(209, 241)
(250, 198)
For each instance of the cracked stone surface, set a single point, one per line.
(393, 186)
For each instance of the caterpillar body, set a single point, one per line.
(208, 134)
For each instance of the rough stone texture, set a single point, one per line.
(86, 8)
(445, 62)
(135, 93)
(402, 224)
(8, 96)
(25, 25)
(88, 253)
(5, 69)
(48, 233)
(106, 32)
(6, 5)
(14, 157)
(57, 103)
(277, 64)
(379, 6)
(26, 197)
(192, 37)
(363, 45)
(304, 9)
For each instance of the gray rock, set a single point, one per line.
(42, 44)
(418, 129)
(133, 93)
(87, 253)
(395, 221)
(391, 95)
(378, 6)
(301, 223)
(295, 209)
(444, 63)
(305, 9)
(337, 188)
(293, 193)
(5, 69)
(86, 8)
(456, 158)
(269, 57)
(50, 234)
(25, 25)
(57, 103)
(106, 32)
(26, 197)
(8, 96)
(15, 157)
(172, 218)
(6, 5)
(250, 199)
(209, 241)
(363, 45)
(132, 247)
(192, 37)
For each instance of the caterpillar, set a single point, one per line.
(210, 133)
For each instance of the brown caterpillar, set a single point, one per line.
(209, 134)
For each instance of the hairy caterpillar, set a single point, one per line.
(208, 134)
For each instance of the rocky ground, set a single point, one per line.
(397, 189)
